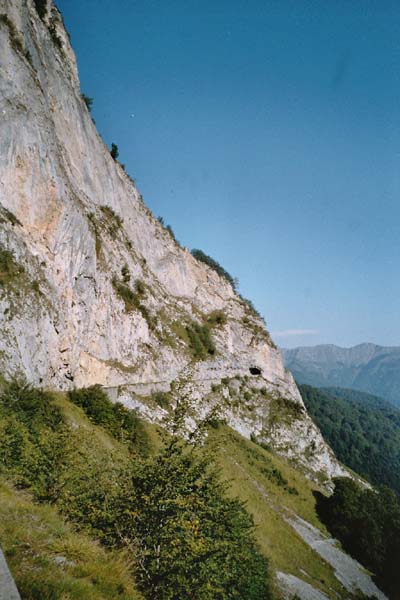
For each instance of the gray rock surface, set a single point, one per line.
(77, 227)
(8, 589)
(291, 586)
(347, 570)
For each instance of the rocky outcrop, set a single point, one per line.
(94, 289)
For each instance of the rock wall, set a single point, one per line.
(93, 289)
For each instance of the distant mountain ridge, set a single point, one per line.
(366, 367)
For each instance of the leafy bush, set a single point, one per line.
(126, 276)
(163, 399)
(120, 422)
(191, 541)
(41, 8)
(16, 39)
(202, 257)
(7, 215)
(88, 101)
(133, 299)
(185, 537)
(200, 341)
(9, 269)
(114, 151)
(368, 525)
(113, 221)
(217, 318)
(33, 407)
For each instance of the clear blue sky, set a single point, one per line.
(267, 133)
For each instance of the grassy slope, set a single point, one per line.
(32, 536)
(247, 467)
(49, 560)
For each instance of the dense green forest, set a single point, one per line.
(168, 512)
(367, 522)
(363, 430)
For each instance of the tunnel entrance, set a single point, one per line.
(255, 371)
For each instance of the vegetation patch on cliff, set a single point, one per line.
(16, 40)
(133, 299)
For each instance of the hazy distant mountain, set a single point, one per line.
(366, 367)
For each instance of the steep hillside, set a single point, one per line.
(366, 367)
(62, 485)
(363, 430)
(94, 289)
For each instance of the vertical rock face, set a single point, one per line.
(93, 289)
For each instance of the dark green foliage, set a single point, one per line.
(200, 341)
(7, 215)
(250, 306)
(120, 422)
(16, 39)
(9, 269)
(168, 228)
(200, 335)
(32, 439)
(186, 538)
(88, 101)
(32, 406)
(41, 8)
(126, 276)
(114, 151)
(217, 318)
(133, 299)
(368, 525)
(364, 431)
(191, 541)
(202, 257)
(113, 221)
(171, 232)
(57, 41)
(163, 399)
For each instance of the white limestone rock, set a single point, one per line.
(73, 220)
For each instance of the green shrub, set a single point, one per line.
(114, 151)
(121, 423)
(7, 215)
(163, 399)
(41, 8)
(217, 318)
(204, 258)
(9, 269)
(33, 407)
(191, 540)
(133, 299)
(96, 230)
(16, 39)
(200, 341)
(126, 276)
(170, 511)
(57, 41)
(113, 221)
(88, 101)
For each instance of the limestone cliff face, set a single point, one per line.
(93, 288)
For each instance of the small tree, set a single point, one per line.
(114, 151)
(88, 101)
(190, 540)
